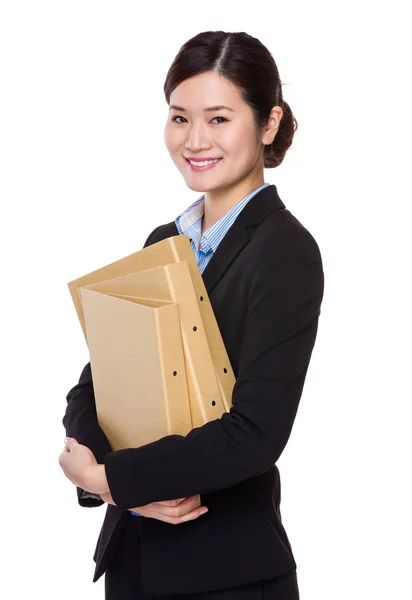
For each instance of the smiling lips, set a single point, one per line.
(202, 164)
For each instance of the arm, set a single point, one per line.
(80, 421)
(283, 305)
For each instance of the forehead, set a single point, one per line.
(206, 89)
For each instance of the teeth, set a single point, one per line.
(205, 162)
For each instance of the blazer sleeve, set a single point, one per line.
(284, 296)
(80, 421)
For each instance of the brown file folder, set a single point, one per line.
(138, 368)
(166, 252)
(173, 283)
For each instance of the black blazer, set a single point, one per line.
(265, 283)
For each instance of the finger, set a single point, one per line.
(71, 442)
(191, 516)
(63, 466)
(170, 507)
(174, 502)
(188, 505)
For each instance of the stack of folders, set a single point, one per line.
(158, 360)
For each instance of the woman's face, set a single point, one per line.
(228, 134)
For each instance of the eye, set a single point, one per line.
(177, 117)
(224, 119)
(180, 117)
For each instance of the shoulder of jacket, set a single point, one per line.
(282, 233)
(160, 233)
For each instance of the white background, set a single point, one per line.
(87, 177)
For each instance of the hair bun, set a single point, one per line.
(275, 152)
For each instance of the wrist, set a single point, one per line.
(95, 480)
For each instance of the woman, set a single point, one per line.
(263, 272)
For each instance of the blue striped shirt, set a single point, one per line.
(189, 222)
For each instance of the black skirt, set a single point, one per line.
(123, 579)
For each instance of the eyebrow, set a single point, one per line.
(210, 109)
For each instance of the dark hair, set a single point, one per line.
(247, 63)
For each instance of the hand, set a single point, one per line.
(169, 511)
(78, 463)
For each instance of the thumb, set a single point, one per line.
(71, 441)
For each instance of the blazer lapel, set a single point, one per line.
(236, 238)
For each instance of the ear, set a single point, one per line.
(272, 126)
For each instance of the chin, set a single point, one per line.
(193, 187)
(204, 188)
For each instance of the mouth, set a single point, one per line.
(202, 165)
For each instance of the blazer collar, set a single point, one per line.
(256, 210)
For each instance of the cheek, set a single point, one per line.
(167, 137)
(172, 137)
(240, 142)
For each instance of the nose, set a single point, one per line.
(197, 138)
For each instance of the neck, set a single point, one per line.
(219, 202)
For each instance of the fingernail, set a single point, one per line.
(203, 511)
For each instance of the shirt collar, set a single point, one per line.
(189, 222)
